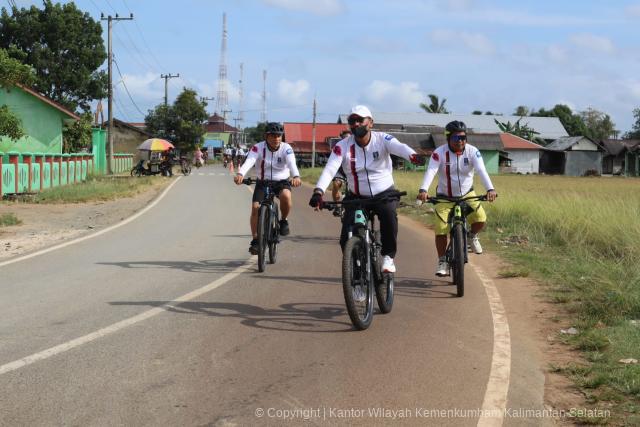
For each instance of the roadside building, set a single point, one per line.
(523, 155)
(300, 137)
(572, 156)
(127, 138)
(620, 156)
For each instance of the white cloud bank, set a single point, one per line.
(316, 7)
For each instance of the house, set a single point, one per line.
(620, 157)
(42, 120)
(524, 156)
(300, 137)
(572, 156)
(127, 138)
(216, 123)
(632, 157)
(549, 128)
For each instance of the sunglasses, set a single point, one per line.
(458, 138)
(355, 119)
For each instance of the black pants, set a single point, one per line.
(387, 217)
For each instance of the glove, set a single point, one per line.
(415, 160)
(316, 200)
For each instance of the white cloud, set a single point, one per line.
(476, 42)
(633, 10)
(293, 92)
(316, 7)
(592, 42)
(557, 53)
(387, 96)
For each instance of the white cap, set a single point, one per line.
(361, 110)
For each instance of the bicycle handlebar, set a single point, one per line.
(251, 181)
(446, 199)
(392, 195)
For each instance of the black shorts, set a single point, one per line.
(278, 186)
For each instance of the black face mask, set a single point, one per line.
(360, 131)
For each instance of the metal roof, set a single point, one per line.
(485, 142)
(422, 143)
(564, 143)
(547, 127)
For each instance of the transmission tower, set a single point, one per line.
(222, 98)
(263, 115)
(240, 116)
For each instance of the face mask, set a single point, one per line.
(360, 131)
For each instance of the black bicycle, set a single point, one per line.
(362, 262)
(456, 254)
(185, 166)
(268, 223)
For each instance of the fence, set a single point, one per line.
(33, 172)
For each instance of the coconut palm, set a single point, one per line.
(435, 106)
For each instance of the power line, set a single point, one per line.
(144, 40)
(126, 89)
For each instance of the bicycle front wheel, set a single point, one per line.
(274, 236)
(263, 234)
(356, 283)
(457, 263)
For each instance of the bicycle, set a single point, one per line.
(362, 262)
(268, 223)
(456, 254)
(185, 167)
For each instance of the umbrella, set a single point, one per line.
(155, 144)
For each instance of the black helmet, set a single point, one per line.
(455, 126)
(274, 128)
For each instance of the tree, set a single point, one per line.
(599, 125)
(12, 72)
(77, 136)
(634, 133)
(435, 106)
(521, 111)
(10, 124)
(488, 113)
(476, 112)
(523, 131)
(65, 48)
(256, 134)
(572, 123)
(160, 122)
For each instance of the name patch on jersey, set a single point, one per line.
(376, 155)
(478, 155)
(254, 148)
(279, 159)
(435, 156)
(337, 150)
(388, 137)
(466, 161)
(289, 151)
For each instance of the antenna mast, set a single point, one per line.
(223, 100)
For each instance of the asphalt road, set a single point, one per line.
(253, 348)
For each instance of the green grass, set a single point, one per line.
(97, 188)
(580, 238)
(7, 219)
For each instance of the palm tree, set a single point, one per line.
(435, 106)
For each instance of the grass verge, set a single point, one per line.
(578, 237)
(7, 219)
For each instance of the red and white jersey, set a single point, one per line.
(369, 168)
(271, 165)
(455, 172)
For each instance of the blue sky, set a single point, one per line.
(478, 54)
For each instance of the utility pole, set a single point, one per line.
(110, 19)
(166, 78)
(313, 136)
(224, 121)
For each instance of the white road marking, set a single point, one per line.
(91, 236)
(45, 354)
(495, 397)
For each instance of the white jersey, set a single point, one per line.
(455, 172)
(271, 165)
(369, 168)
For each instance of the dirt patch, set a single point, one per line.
(49, 224)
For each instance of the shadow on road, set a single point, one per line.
(203, 266)
(295, 238)
(424, 288)
(292, 317)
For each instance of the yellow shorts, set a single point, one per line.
(442, 213)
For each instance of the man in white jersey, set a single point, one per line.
(365, 157)
(274, 161)
(455, 163)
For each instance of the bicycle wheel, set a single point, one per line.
(383, 281)
(357, 287)
(457, 263)
(274, 236)
(263, 234)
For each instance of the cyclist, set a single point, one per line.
(197, 157)
(339, 179)
(455, 163)
(366, 157)
(274, 160)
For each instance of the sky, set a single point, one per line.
(488, 55)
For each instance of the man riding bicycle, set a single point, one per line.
(455, 162)
(366, 158)
(339, 179)
(274, 160)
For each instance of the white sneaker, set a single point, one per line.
(474, 244)
(387, 265)
(443, 268)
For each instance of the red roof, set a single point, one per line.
(294, 132)
(512, 142)
(216, 123)
(305, 147)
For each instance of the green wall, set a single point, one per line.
(491, 161)
(41, 122)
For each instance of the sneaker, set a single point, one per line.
(474, 244)
(254, 247)
(284, 227)
(358, 294)
(387, 265)
(443, 267)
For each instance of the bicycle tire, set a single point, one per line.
(457, 263)
(263, 233)
(354, 279)
(384, 282)
(274, 236)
